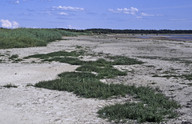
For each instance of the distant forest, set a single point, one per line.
(131, 31)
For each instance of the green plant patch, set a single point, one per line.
(187, 76)
(168, 76)
(78, 47)
(27, 37)
(153, 98)
(85, 85)
(17, 38)
(61, 56)
(17, 60)
(10, 86)
(123, 60)
(154, 106)
(72, 61)
(58, 54)
(135, 111)
(103, 68)
(103, 72)
(13, 57)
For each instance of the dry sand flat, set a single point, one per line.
(40, 106)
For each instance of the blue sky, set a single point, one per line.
(83, 14)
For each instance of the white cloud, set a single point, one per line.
(6, 23)
(146, 14)
(112, 10)
(141, 15)
(70, 27)
(17, 1)
(9, 24)
(177, 19)
(129, 11)
(15, 24)
(63, 13)
(132, 11)
(69, 8)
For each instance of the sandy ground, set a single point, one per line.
(30, 105)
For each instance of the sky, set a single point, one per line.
(84, 14)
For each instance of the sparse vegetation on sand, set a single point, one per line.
(187, 62)
(184, 76)
(25, 37)
(102, 67)
(10, 86)
(15, 56)
(123, 60)
(187, 76)
(58, 54)
(83, 84)
(151, 105)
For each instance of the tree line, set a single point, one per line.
(131, 31)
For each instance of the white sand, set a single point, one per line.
(29, 105)
(31, 73)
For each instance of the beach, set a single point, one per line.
(27, 104)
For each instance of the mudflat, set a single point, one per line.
(165, 64)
